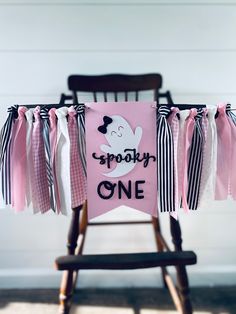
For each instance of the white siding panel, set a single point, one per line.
(191, 43)
(189, 72)
(127, 27)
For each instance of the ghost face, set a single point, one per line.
(120, 136)
(119, 132)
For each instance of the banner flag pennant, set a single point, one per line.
(121, 156)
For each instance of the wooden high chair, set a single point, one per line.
(164, 256)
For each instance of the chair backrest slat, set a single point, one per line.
(105, 96)
(95, 96)
(115, 83)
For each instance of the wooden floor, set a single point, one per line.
(117, 301)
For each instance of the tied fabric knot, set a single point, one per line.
(19, 162)
(164, 111)
(40, 186)
(46, 134)
(72, 113)
(230, 113)
(21, 112)
(223, 153)
(37, 113)
(165, 161)
(52, 117)
(77, 177)
(195, 161)
(80, 109)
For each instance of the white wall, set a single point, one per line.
(192, 43)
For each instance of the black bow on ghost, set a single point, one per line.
(103, 128)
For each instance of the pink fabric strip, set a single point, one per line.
(53, 143)
(173, 120)
(232, 172)
(188, 134)
(223, 154)
(77, 177)
(19, 162)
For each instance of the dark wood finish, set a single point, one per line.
(104, 223)
(125, 261)
(114, 82)
(76, 234)
(117, 83)
(159, 243)
(182, 277)
(66, 288)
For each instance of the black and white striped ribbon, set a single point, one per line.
(230, 113)
(46, 129)
(5, 153)
(81, 135)
(195, 162)
(5, 134)
(165, 161)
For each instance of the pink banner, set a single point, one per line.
(121, 157)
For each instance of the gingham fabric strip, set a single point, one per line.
(81, 135)
(165, 162)
(40, 185)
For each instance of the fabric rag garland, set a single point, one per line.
(43, 157)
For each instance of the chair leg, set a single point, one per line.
(82, 232)
(160, 247)
(66, 289)
(182, 277)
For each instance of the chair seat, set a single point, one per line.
(125, 261)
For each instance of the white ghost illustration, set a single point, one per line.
(120, 136)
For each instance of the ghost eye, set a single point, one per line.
(113, 132)
(120, 127)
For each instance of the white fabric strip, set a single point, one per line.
(63, 160)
